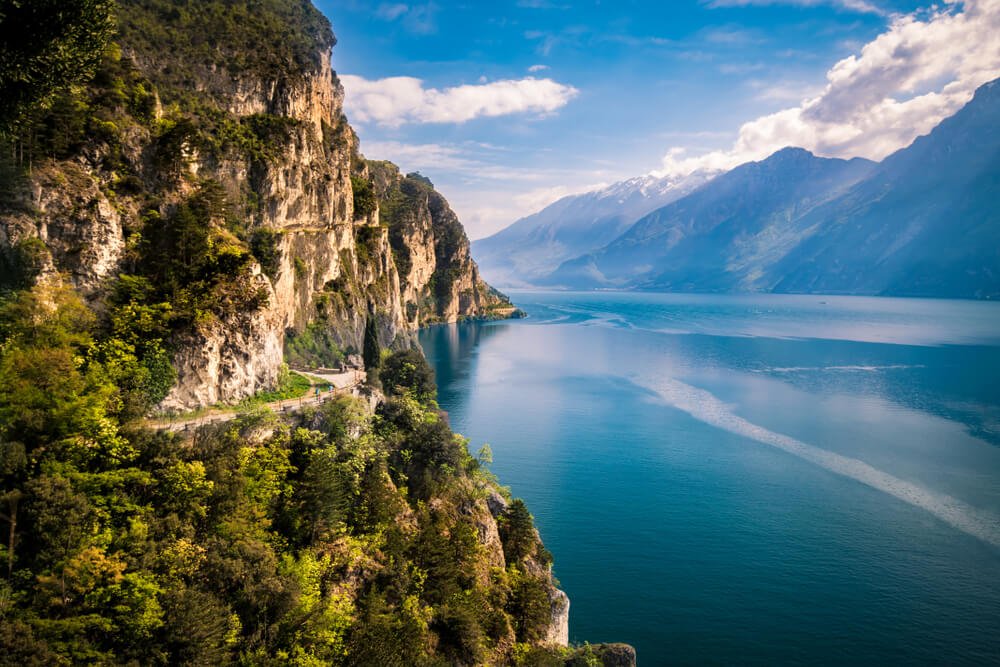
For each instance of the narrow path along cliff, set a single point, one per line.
(337, 384)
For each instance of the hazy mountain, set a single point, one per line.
(535, 245)
(927, 223)
(923, 222)
(722, 236)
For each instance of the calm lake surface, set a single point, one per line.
(750, 479)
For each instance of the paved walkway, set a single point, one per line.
(340, 383)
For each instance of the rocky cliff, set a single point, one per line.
(221, 134)
(439, 280)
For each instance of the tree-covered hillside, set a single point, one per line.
(335, 537)
(361, 532)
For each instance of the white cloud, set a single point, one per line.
(783, 91)
(538, 68)
(923, 69)
(417, 18)
(860, 6)
(391, 12)
(399, 100)
(411, 157)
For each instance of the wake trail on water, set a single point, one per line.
(848, 368)
(707, 408)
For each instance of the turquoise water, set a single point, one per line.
(751, 479)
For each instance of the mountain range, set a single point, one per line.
(536, 245)
(923, 222)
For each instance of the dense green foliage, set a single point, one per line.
(48, 46)
(265, 39)
(408, 371)
(365, 201)
(264, 246)
(290, 385)
(336, 538)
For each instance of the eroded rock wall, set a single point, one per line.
(332, 265)
(439, 280)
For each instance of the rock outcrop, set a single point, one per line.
(558, 632)
(439, 280)
(615, 655)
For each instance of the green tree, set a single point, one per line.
(372, 350)
(53, 393)
(265, 244)
(197, 628)
(60, 521)
(365, 202)
(530, 606)
(408, 371)
(47, 46)
(517, 532)
(20, 646)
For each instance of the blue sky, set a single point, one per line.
(508, 105)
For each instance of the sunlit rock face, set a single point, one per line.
(331, 266)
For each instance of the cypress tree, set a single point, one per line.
(372, 352)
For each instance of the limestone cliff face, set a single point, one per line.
(274, 141)
(440, 281)
(67, 209)
(325, 254)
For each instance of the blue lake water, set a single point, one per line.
(750, 479)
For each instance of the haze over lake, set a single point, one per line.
(750, 479)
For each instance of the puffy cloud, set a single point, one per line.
(395, 101)
(924, 68)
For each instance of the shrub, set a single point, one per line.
(365, 202)
(264, 244)
(315, 346)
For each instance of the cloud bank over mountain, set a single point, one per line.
(923, 69)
